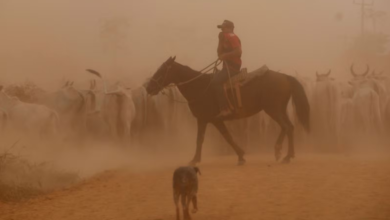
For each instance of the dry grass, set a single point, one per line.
(21, 179)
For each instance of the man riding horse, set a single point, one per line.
(229, 51)
(269, 91)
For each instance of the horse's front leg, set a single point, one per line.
(202, 125)
(228, 137)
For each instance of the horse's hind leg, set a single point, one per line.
(228, 137)
(290, 136)
(279, 144)
(282, 135)
(286, 128)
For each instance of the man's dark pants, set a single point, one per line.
(217, 83)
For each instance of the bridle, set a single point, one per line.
(160, 86)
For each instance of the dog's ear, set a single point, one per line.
(197, 170)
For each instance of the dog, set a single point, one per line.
(185, 185)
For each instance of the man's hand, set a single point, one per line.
(222, 56)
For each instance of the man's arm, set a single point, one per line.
(236, 52)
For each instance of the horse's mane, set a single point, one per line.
(188, 69)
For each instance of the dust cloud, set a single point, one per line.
(49, 42)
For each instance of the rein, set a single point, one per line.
(205, 70)
(202, 72)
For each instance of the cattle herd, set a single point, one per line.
(352, 110)
(341, 111)
(111, 112)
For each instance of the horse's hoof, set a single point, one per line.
(194, 211)
(286, 161)
(241, 162)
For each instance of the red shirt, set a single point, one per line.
(230, 41)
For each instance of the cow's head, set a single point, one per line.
(359, 76)
(359, 79)
(324, 77)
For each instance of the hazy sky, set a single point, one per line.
(56, 39)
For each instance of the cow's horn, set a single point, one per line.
(330, 70)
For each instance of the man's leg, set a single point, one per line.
(218, 82)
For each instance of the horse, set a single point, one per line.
(270, 92)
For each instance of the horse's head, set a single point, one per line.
(162, 78)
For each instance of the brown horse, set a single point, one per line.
(269, 92)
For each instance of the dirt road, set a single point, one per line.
(311, 187)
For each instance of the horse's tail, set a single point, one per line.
(301, 103)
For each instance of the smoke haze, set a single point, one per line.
(52, 40)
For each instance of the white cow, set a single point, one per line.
(325, 108)
(366, 102)
(139, 126)
(367, 110)
(72, 105)
(117, 110)
(29, 118)
(372, 82)
(347, 120)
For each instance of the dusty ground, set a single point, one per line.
(312, 187)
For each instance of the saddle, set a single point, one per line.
(233, 86)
